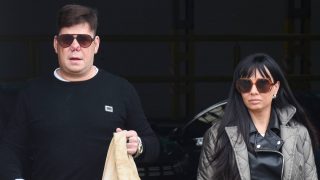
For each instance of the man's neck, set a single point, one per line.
(61, 75)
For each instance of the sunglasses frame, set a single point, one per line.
(260, 90)
(75, 37)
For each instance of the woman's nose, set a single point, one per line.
(254, 89)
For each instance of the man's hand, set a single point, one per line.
(132, 141)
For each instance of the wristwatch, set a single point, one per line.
(140, 148)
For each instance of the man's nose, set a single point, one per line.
(75, 46)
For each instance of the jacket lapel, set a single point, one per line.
(240, 152)
(288, 135)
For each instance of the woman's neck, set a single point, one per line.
(261, 119)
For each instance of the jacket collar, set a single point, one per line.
(285, 114)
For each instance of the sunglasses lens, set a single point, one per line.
(84, 40)
(244, 85)
(65, 40)
(263, 85)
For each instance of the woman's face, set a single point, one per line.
(257, 99)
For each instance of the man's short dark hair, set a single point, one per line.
(73, 14)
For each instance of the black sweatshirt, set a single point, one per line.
(65, 128)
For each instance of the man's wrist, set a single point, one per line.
(139, 149)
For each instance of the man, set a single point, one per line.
(65, 122)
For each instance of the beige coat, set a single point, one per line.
(119, 164)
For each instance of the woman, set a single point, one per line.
(264, 132)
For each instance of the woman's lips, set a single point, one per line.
(255, 101)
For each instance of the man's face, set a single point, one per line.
(76, 62)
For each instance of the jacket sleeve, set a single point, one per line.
(205, 172)
(13, 145)
(310, 167)
(136, 120)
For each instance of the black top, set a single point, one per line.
(266, 161)
(67, 126)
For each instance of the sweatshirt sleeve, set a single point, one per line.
(136, 120)
(13, 144)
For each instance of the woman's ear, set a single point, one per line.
(276, 87)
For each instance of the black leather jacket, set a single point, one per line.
(266, 160)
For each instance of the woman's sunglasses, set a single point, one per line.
(65, 40)
(244, 85)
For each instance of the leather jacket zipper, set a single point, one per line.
(259, 150)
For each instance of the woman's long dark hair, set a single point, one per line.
(236, 113)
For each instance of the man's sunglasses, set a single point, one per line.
(244, 85)
(65, 40)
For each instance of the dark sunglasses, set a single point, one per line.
(244, 85)
(84, 40)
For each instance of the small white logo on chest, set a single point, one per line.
(108, 108)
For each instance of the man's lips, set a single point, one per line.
(74, 58)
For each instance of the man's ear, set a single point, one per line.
(96, 44)
(55, 44)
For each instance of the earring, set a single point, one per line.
(274, 96)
